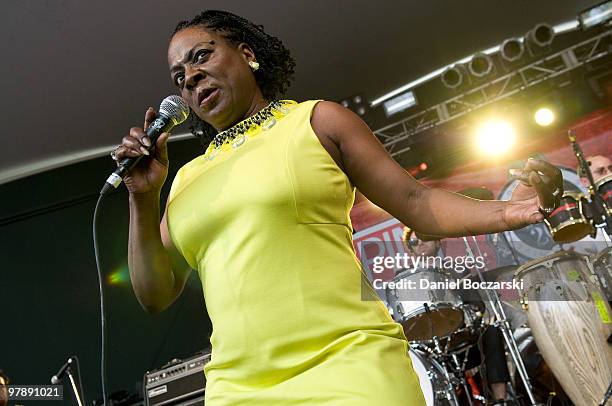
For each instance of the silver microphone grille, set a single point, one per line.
(175, 108)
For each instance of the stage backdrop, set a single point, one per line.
(594, 133)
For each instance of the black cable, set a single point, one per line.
(102, 314)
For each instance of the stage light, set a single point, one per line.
(399, 103)
(455, 76)
(480, 65)
(539, 38)
(356, 103)
(512, 49)
(557, 29)
(495, 137)
(596, 15)
(423, 166)
(544, 116)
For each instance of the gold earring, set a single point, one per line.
(254, 65)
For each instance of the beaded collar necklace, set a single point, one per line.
(256, 119)
(236, 136)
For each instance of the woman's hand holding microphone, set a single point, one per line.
(151, 172)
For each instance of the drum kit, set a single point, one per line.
(441, 328)
(561, 309)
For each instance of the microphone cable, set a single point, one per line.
(102, 311)
(173, 111)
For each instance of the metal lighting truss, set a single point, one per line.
(494, 90)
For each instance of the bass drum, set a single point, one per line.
(437, 390)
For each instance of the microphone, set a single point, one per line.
(57, 378)
(173, 110)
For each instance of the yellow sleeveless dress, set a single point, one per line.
(266, 225)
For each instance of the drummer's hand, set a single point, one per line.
(542, 190)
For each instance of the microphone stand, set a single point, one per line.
(502, 322)
(599, 211)
(600, 214)
(510, 247)
(67, 369)
(607, 395)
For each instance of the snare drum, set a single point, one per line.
(570, 321)
(570, 222)
(424, 313)
(603, 187)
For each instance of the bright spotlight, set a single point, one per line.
(495, 137)
(544, 116)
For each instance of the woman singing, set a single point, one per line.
(263, 216)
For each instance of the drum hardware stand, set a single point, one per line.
(607, 395)
(504, 326)
(439, 364)
(459, 370)
(453, 370)
(511, 248)
(599, 206)
(594, 278)
(451, 378)
(606, 236)
(436, 341)
(451, 396)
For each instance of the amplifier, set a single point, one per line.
(180, 382)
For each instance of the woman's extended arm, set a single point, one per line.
(434, 212)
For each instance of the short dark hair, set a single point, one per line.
(276, 63)
(4, 377)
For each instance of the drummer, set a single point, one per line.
(600, 167)
(418, 247)
(492, 345)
